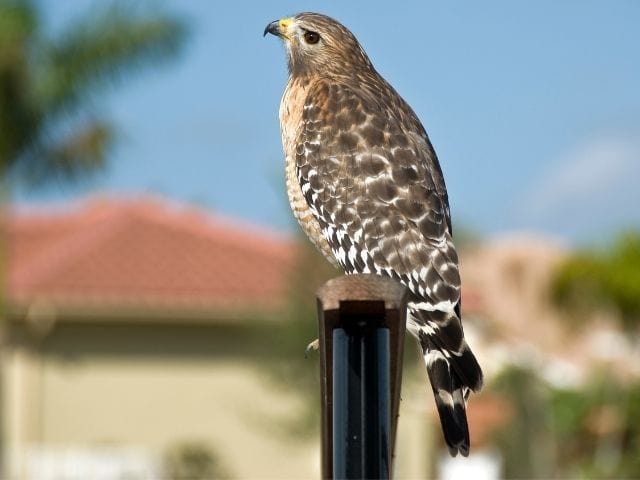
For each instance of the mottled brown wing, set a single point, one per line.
(373, 182)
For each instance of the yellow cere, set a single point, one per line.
(284, 25)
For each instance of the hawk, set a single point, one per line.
(365, 185)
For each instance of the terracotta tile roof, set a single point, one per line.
(144, 253)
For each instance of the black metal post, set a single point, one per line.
(361, 410)
(362, 320)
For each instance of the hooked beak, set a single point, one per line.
(273, 28)
(278, 28)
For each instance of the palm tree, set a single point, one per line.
(48, 123)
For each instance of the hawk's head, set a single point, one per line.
(316, 43)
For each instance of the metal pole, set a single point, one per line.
(361, 398)
(362, 320)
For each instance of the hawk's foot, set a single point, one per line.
(315, 345)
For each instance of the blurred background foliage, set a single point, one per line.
(608, 279)
(591, 430)
(193, 460)
(525, 442)
(289, 365)
(587, 432)
(50, 120)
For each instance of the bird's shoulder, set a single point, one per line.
(359, 99)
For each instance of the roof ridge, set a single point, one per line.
(211, 226)
(156, 206)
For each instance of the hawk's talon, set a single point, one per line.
(315, 345)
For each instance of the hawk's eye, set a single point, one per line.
(311, 37)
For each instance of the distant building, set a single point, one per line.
(122, 343)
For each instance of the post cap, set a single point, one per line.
(362, 288)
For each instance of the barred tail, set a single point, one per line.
(453, 372)
(450, 396)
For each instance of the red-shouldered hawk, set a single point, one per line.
(365, 185)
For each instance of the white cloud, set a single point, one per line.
(591, 190)
(589, 171)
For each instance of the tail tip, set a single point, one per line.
(461, 448)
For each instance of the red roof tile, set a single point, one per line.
(145, 252)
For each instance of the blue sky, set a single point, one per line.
(533, 108)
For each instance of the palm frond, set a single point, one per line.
(70, 157)
(99, 50)
(18, 117)
(18, 22)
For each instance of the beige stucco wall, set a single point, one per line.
(145, 389)
(153, 403)
(125, 393)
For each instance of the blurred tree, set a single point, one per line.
(525, 443)
(597, 430)
(193, 460)
(287, 342)
(48, 127)
(592, 431)
(603, 280)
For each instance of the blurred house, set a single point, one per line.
(134, 332)
(123, 345)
